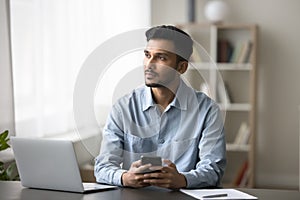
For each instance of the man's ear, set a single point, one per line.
(182, 67)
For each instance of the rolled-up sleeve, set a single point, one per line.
(212, 153)
(108, 163)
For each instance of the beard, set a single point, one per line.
(155, 80)
(154, 85)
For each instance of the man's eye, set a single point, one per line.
(162, 58)
(147, 55)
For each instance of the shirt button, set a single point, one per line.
(161, 141)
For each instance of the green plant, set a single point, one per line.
(10, 172)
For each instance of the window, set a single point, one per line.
(50, 41)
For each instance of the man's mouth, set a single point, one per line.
(150, 74)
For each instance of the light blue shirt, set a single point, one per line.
(189, 132)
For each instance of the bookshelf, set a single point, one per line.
(228, 75)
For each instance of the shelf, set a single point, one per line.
(236, 107)
(220, 66)
(238, 147)
(233, 82)
(235, 66)
(202, 66)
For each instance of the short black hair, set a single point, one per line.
(182, 41)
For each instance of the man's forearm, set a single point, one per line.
(209, 175)
(106, 173)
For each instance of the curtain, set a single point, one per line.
(50, 41)
(6, 99)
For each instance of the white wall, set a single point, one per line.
(277, 154)
(6, 91)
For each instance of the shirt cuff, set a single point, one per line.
(118, 177)
(188, 179)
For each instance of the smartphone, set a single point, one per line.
(153, 160)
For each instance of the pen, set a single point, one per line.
(215, 195)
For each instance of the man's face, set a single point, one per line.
(160, 63)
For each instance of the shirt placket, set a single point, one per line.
(162, 129)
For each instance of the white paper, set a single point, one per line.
(231, 193)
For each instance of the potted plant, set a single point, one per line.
(9, 172)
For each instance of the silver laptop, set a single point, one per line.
(50, 164)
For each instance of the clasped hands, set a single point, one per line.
(165, 176)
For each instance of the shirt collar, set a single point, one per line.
(147, 102)
(181, 98)
(180, 101)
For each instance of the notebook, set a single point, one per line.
(217, 194)
(50, 164)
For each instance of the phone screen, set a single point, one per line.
(154, 161)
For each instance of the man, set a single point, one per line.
(165, 118)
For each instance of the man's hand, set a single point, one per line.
(169, 177)
(134, 177)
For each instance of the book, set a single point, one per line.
(246, 136)
(249, 54)
(223, 94)
(224, 50)
(236, 52)
(245, 52)
(242, 175)
(245, 179)
(243, 134)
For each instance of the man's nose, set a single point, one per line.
(150, 63)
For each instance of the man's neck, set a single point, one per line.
(163, 96)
